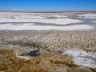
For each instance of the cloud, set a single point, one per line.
(16, 9)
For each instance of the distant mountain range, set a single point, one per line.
(29, 11)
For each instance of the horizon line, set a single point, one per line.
(46, 10)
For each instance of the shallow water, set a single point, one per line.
(88, 20)
(85, 21)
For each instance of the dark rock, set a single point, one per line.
(51, 17)
(34, 53)
(59, 52)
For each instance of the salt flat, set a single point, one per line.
(89, 15)
(82, 58)
(34, 27)
(44, 18)
(55, 21)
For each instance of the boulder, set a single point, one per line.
(34, 53)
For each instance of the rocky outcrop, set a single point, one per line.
(34, 53)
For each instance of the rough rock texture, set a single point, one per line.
(34, 53)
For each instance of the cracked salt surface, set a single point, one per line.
(82, 58)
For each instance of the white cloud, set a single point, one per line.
(16, 9)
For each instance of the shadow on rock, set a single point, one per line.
(34, 53)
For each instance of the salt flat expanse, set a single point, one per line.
(40, 18)
(32, 17)
(34, 27)
(82, 58)
(55, 21)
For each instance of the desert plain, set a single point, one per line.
(66, 42)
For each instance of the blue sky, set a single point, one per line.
(48, 5)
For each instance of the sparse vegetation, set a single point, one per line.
(50, 61)
(71, 64)
(54, 41)
(43, 63)
(93, 69)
